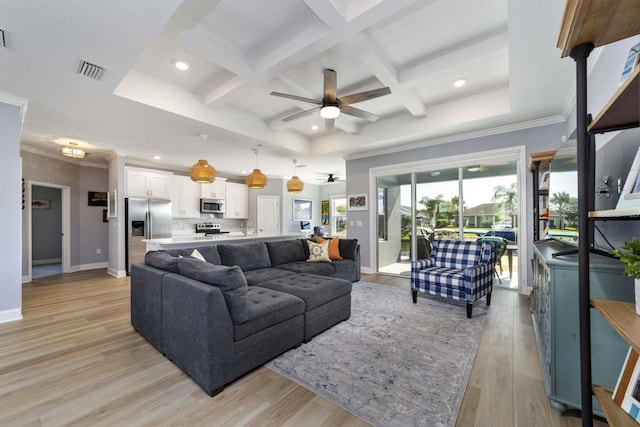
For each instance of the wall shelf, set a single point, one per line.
(622, 317)
(619, 112)
(616, 214)
(616, 416)
(597, 21)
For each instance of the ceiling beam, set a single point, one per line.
(223, 93)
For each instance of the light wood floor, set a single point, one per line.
(75, 360)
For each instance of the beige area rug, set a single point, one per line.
(393, 363)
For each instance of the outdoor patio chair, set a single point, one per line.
(457, 270)
(499, 247)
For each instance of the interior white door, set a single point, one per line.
(268, 214)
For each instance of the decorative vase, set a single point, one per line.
(637, 293)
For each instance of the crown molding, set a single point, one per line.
(45, 153)
(550, 120)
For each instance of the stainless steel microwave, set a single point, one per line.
(211, 205)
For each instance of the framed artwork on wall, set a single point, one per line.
(112, 204)
(325, 212)
(97, 198)
(302, 210)
(357, 202)
(630, 196)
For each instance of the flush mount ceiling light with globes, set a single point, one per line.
(256, 179)
(73, 150)
(295, 184)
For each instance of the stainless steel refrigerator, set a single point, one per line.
(145, 219)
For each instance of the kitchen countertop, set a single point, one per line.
(212, 239)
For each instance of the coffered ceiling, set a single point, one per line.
(241, 51)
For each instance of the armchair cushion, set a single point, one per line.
(456, 254)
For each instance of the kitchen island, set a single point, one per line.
(190, 241)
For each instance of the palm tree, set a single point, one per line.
(506, 195)
(432, 207)
(561, 201)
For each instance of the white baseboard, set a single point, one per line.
(26, 279)
(46, 261)
(116, 273)
(366, 270)
(83, 267)
(10, 315)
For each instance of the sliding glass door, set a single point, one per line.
(466, 203)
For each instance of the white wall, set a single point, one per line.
(10, 214)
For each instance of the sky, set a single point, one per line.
(480, 190)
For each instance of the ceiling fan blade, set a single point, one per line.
(329, 124)
(364, 96)
(299, 114)
(330, 85)
(356, 112)
(297, 98)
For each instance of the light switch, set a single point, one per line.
(359, 223)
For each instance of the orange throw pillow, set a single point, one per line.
(334, 248)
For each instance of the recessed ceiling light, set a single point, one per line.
(473, 169)
(314, 127)
(434, 173)
(460, 82)
(244, 172)
(181, 65)
(156, 157)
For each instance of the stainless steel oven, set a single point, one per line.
(211, 205)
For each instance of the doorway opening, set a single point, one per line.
(48, 230)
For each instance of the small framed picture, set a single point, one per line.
(357, 202)
(97, 198)
(633, 58)
(630, 196)
(627, 391)
(112, 204)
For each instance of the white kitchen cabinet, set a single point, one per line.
(183, 193)
(147, 183)
(236, 201)
(215, 190)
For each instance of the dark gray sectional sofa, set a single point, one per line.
(245, 305)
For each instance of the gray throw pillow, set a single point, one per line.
(230, 280)
(348, 248)
(162, 260)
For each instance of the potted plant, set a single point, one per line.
(630, 255)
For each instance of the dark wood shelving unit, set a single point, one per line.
(587, 24)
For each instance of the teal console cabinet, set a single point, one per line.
(556, 321)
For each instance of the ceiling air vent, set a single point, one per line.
(90, 70)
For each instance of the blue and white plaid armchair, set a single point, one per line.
(458, 270)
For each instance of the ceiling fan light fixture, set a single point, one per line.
(329, 112)
(72, 150)
(202, 172)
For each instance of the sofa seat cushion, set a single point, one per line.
(248, 256)
(313, 290)
(230, 280)
(261, 275)
(344, 268)
(285, 251)
(300, 267)
(266, 308)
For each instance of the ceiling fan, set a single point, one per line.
(330, 178)
(331, 106)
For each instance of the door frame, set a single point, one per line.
(278, 216)
(518, 153)
(66, 225)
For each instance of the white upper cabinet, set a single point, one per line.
(215, 190)
(183, 193)
(236, 201)
(147, 183)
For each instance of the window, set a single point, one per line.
(383, 233)
(339, 215)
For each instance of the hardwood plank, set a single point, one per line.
(74, 359)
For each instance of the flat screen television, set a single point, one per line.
(305, 225)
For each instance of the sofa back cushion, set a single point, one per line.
(248, 256)
(285, 251)
(456, 254)
(210, 253)
(162, 260)
(348, 249)
(229, 280)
